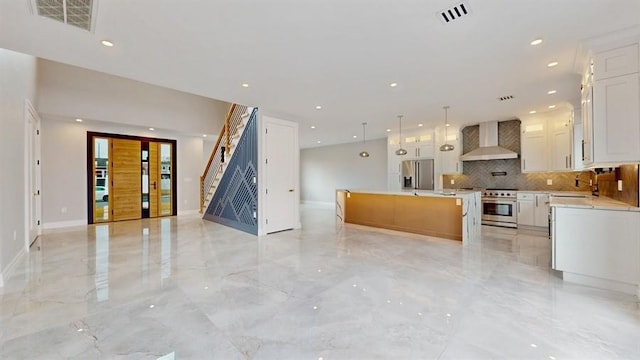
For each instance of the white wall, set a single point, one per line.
(325, 169)
(17, 83)
(68, 92)
(64, 168)
(119, 106)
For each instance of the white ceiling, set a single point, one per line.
(341, 54)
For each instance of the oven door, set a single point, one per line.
(499, 211)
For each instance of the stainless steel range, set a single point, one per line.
(499, 207)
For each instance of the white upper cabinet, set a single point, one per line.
(616, 62)
(419, 144)
(546, 142)
(448, 162)
(534, 145)
(616, 119)
(587, 124)
(560, 144)
(611, 107)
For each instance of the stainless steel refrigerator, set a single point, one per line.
(417, 174)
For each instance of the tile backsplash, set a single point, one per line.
(478, 174)
(608, 184)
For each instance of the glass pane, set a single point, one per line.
(165, 179)
(101, 179)
(145, 179)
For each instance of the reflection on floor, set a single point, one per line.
(185, 288)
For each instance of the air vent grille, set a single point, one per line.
(453, 13)
(77, 13)
(505, 98)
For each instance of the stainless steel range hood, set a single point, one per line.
(489, 149)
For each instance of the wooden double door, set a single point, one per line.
(130, 177)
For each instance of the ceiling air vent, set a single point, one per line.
(78, 13)
(453, 13)
(504, 98)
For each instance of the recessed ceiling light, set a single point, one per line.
(355, 136)
(245, 85)
(536, 42)
(532, 112)
(552, 106)
(313, 126)
(388, 130)
(318, 142)
(447, 125)
(318, 107)
(204, 135)
(420, 125)
(552, 64)
(79, 120)
(106, 43)
(551, 92)
(152, 129)
(393, 84)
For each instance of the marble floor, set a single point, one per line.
(184, 288)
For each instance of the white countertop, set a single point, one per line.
(586, 201)
(428, 193)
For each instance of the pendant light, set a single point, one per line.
(401, 151)
(446, 146)
(364, 153)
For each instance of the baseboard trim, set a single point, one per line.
(631, 289)
(11, 268)
(63, 224)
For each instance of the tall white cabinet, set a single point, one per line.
(611, 106)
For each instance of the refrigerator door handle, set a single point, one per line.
(417, 170)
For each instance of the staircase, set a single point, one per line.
(234, 125)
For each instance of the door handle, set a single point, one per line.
(290, 190)
(154, 185)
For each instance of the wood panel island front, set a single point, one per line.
(448, 215)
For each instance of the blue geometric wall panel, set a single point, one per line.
(235, 201)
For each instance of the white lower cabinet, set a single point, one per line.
(533, 209)
(592, 246)
(541, 210)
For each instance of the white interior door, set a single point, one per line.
(281, 196)
(33, 174)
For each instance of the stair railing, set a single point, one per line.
(221, 151)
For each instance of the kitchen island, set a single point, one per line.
(451, 215)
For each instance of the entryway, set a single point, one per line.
(130, 177)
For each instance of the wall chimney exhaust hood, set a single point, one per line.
(489, 149)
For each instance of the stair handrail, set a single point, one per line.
(218, 154)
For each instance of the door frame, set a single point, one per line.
(33, 174)
(174, 163)
(265, 122)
